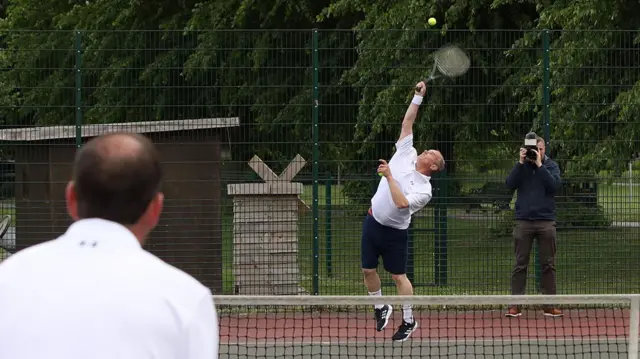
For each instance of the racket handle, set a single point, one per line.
(418, 88)
(426, 81)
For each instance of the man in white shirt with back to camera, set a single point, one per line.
(94, 293)
(403, 190)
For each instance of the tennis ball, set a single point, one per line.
(380, 174)
(432, 21)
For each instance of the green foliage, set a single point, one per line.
(593, 81)
(577, 207)
(164, 59)
(278, 66)
(359, 192)
(574, 214)
(571, 214)
(390, 62)
(502, 226)
(141, 62)
(487, 158)
(577, 203)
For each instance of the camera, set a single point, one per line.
(531, 145)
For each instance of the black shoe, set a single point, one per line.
(404, 331)
(382, 316)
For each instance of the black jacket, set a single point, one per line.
(536, 188)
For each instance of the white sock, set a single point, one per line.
(377, 293)
(407, 313)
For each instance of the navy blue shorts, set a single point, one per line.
(381, 241)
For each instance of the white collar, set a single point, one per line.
(425, 177)
(95, 231)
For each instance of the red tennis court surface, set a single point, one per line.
(445, 325)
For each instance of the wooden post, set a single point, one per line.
(265, 231)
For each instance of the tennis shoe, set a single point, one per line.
(382, 317)
(553, 312)
(405, 330)
(513, 312)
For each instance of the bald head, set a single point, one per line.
(116, 176)
(429, 162)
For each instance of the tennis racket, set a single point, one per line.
(448, 61)
(4, 227)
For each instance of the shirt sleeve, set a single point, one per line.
(405, 145)
(417, 201)
(202, 331)
(401, 159)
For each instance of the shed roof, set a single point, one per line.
(92, 130)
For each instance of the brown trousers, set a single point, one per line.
(524, 234)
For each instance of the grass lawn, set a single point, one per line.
(589, 262)
(620, 201)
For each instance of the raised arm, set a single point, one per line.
(412, 111)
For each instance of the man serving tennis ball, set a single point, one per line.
(403, 190)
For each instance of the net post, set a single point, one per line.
(440, 237)
(634, 323)
(316, 154)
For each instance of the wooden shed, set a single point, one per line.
(189, 235)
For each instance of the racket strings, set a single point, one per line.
(452, 62)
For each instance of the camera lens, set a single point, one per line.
(531, 145)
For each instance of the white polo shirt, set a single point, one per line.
(414, 185)
(94, 293)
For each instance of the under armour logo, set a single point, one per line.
(83, 243)
(412, 183)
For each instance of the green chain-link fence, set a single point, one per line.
(337, 99)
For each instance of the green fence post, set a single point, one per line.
(440, 237)
(78, 78)
(327, 223)
(410, 254)
(546, 99)
(546, 90)
(316, 154)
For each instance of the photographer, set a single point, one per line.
(537, 179)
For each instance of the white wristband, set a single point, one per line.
(417, 100)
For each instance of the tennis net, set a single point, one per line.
(593, 326)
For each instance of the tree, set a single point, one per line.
(594, 81)
(179, 61)
(265, 75)
(131, 75)
(189, 59)
(461, 118)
